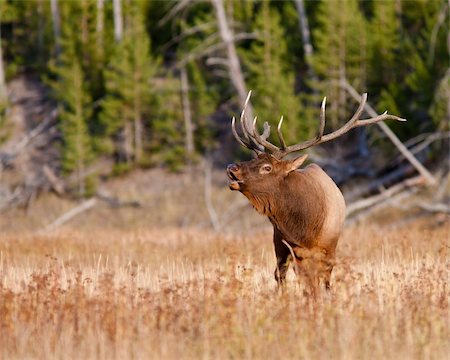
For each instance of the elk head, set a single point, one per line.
(261, 173)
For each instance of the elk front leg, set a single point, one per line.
(283, 257)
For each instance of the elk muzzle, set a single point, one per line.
(235, 175)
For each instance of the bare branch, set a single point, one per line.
(201, 51)
(402, 148)
(217, 61)
(384, 195)
(188, 32)
(208, 198)
(434, 208)
(173, 12)
(439, 22)
(8, 156)
(84, 206)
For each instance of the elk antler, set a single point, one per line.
(258, 143)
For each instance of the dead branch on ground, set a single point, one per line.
(69, 215)
(384, 195)
(390, 134)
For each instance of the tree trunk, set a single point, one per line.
(41, 31)
(138, 131)
(138, 138)
(306, 36)
(128, 142)
(3, 93)
(137, 117)
(363, 148)
(56, 26)
(100, 26)
(342, 99)
(234, 66)
(208, 198)
(118, 21)
(189, 136)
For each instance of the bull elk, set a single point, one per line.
(305, 207)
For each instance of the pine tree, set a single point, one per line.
(202, 85)
(74, 105)
(416, 62)
(427, 64)
(5, 13)
(340, 54)
(384, 37)
(129, 94)
(167, 141)
(203, 103)
(271, 75)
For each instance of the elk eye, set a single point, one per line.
(265, 169)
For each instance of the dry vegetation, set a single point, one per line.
(114, 284)
(196, 294)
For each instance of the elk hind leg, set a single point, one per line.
(316, 267)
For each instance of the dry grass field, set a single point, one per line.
(155, 283)
(190, 294)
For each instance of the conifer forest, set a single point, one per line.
(154, 83)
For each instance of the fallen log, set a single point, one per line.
(69, 215)
(384, 195)
(7, 157)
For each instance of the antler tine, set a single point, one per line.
(248, 140)
(353, 120)
(280, 134)
(236, 136)
(322, 118)
(262, 140)
(319, 136)
(266, 133)
(318, 139)
(243, 118)
(360, 108)
(382, 117)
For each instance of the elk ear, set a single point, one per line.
(296, 163)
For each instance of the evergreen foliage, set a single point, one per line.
(129, 99)
(203, 104)
(74, 103)
(340, 54)
(123, 99)
(271, 74)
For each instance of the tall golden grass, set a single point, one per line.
(189, 294)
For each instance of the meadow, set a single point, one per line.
(188, 294)
(92, 290)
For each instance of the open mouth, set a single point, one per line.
(232, 176)
(235, 182)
